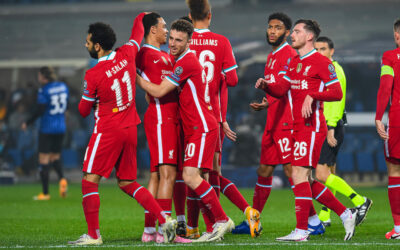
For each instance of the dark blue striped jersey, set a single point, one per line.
(55, 96)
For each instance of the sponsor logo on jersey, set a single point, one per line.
(178, 71)
(299, 66)
(304, 84)
(306, 70)
(331, 68)
(297, 84)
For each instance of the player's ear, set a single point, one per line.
(190, 17)
(332, 52)
(97, 47)
(153, 29)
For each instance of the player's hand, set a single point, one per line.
(228, 132)
(259, 106)
(330, 138)
(261, 83)
(380, 128)
(24, 126)
(306, 109)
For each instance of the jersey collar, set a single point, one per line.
(312, 52)
(201, 30)
(280, 47)
(184, 54)
(107, 57)
(151, 47)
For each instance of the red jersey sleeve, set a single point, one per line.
(88, 96)
(181, 72)
(224, 99)
(229, 64)
(385, 85)
(333, 91)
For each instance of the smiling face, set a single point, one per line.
(178, 42)
(161, 31)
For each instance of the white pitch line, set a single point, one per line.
(216, 244)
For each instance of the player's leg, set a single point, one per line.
(56, 163)
(180, 189)
(126, 169)
(303, 203)
(321, 173)
(44, 167)
(393, 166)
(149, 233)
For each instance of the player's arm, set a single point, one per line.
(39, 110)
(277, 89)
(231, 77)
(156, 90)
(224, 108)
(88, 100)
(137, 32)
(229, 65)
(384, 93)
(334, 111)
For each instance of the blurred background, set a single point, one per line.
(35, 33)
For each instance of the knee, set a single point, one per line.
(321, 175)
(265, 171)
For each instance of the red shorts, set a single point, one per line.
(163, 143)
(392, 145)
(199, 149)
(307, 148)
(112, 149)
(276, 147)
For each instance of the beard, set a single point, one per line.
(278, 41)
(93, 53)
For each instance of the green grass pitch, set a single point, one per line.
(25, 223)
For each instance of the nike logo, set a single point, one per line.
(297, 158)
(291, 69)
(156, 61)
(286, 156)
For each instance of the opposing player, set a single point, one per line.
(311, 78)
(215, 55)
(160, 123)
(334, 115)
(389, 88)
(199, 124)
(110, 87)
(52, 105)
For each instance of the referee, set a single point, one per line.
(51, 106)
(335, 116)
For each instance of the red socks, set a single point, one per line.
(210, 200)
(144, 198)
(230, 190)
(303, 203)
(180, 191)
(261, 192)
(192, 209)
(394, 198)
(324, 196)
(91, 205)
(214, 181)
(208, 217)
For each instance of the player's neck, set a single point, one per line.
(152, 42)
(305, 49)
(276, 47)
(103, 53)
(203, 24)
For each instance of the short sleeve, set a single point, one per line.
(229, 62)
(180, 73)
(89, 89)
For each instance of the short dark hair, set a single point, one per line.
(183, 26)
(186, 18)
(310, 25)
(324, 39)
(102, 34)
(199, 9)
(396, 25)
(150, 20)
(285, 19)
(49, 73)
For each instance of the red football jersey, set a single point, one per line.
(154, 64)
(279, 115)
(194, 100)
(112, 84)
(390, 86)
(307, 74)
(215, 55)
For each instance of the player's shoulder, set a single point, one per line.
(391, 54)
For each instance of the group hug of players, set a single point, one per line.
(185, 124)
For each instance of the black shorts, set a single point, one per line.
(50, 143)
(328, 153)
